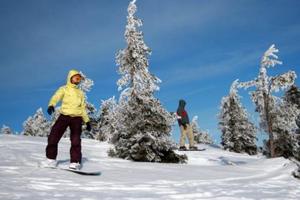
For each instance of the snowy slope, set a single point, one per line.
(211, 174)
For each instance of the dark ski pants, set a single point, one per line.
(57, 132)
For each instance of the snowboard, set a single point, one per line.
(192, 150)
(81, 172)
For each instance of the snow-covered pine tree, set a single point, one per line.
(284, 127)
(200, 136)
(291, 108)
(142, 125)
(106, 117)
(37, 125)
(238, 133)
(264, 101)
(292, 95)
(6, 130)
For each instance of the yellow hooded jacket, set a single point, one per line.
(73, 100)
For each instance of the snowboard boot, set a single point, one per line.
(182, 148)
(75, 166)
(49, 163)
(193, 148)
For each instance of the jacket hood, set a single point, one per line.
(182, 104)
(71, 73)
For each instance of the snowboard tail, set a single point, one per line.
(90, 173)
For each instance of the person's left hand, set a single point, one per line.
(88, 126)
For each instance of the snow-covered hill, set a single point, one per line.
(211, 174)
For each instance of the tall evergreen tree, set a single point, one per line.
(142, 125)
(263, 98)
(238, 133)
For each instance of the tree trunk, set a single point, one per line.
(269, 124)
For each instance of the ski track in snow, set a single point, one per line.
(211, 174)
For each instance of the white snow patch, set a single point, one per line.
(211, 174)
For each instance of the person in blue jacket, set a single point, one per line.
(185, 127)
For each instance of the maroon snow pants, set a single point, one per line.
(57, 132)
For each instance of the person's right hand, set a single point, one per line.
(50, 110)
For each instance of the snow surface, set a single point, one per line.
(211, 174)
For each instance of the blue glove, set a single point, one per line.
(88, 126)
(50, 110)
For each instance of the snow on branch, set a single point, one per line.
(247, 84)
(132, 8)
(234, 87)
(283, 81)
(270, 59)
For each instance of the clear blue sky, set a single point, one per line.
(199, 47)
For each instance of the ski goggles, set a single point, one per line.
(77, 78)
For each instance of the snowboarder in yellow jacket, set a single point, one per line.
(72, 114)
